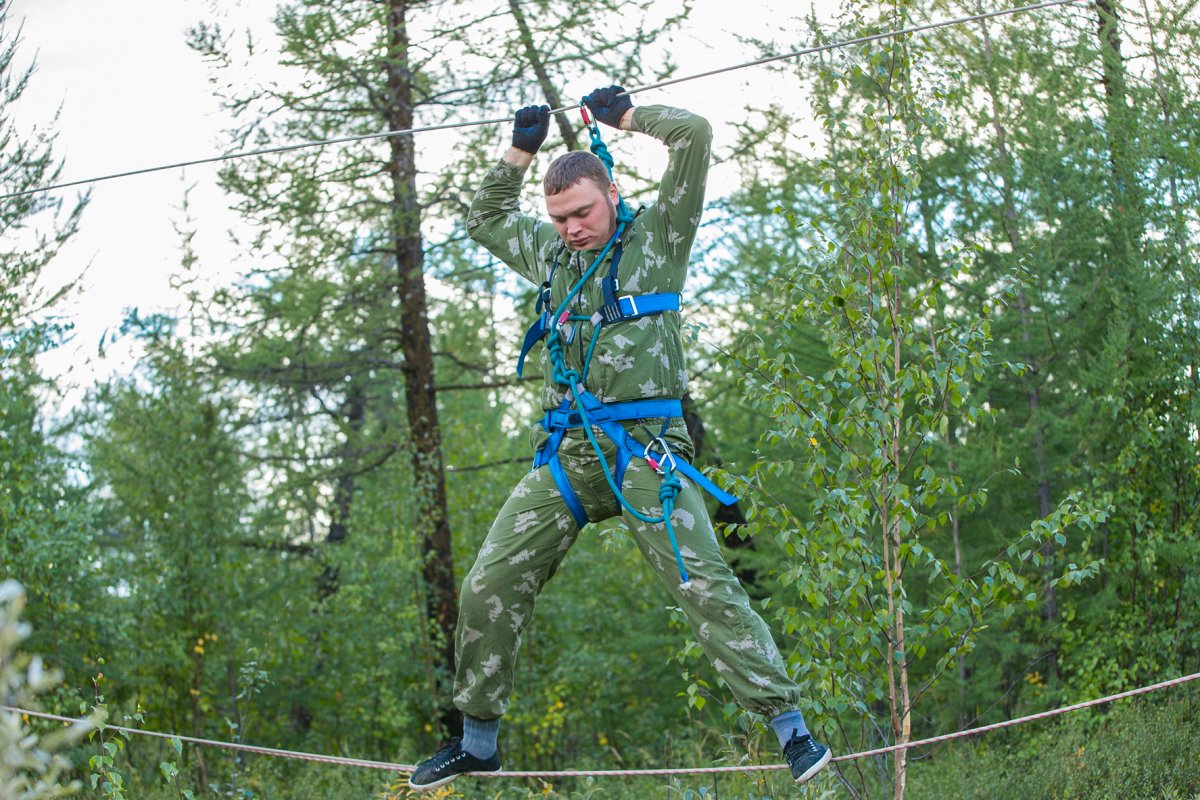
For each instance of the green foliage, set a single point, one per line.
(46, 540)
(31, 764)
(1145, 750)
(876, 590)
(32, 227)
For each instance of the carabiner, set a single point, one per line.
(659, 465)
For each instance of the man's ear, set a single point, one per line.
(613, 194)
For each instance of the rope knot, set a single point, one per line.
(559, 368)
(601, 150)
(669, 489)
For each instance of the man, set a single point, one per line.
(614, 358)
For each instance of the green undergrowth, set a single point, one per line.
(1145, 750)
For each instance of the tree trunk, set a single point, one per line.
(1126, 200)
(1128, 212)
(354, 412)
(898, 647)
(433, 526)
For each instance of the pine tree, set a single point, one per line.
(44, 536)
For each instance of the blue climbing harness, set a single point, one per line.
(582, 409)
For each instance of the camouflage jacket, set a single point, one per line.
(642, 358)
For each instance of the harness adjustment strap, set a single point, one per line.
(609, 284)
(627, 307)
(568, 492)
(532, 336)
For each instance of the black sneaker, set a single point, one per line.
(447, 764)
(805, 757)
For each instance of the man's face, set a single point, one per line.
(584, 215)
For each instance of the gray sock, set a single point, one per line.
(787, 724)
(479, 736)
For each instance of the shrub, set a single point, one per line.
(1141, 750)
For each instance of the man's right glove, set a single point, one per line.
(530, 128)
(608, 105)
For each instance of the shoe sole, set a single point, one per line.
(425, 787)
(815, 768)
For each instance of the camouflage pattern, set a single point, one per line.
(634, 360)
(533, 533)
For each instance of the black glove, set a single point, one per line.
(530, 128)
(607, 107)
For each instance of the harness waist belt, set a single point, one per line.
(616, 412)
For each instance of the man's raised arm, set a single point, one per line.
(495, 220)
(689, 139)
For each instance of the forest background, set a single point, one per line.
(944, 345)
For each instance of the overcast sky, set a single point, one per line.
(132, 94)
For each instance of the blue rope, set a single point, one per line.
(667, 493)
(600, 149)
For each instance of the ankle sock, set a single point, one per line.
(479, 736)
(787, 724)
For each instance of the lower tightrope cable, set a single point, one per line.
(610, 773)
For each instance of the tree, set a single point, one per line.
(1062, 120)
(45, 540)
(883, 612)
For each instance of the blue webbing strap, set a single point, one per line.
(629, 307)
(547, 455)
(648, 304)
(532, 336)
(565, 416)
(609, 284)
(568, 492)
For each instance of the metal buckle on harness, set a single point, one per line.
(667, 458)
(632, 304)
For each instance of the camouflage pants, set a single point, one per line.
(532, 534)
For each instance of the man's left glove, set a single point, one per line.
(608, 105)
(530, 127)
